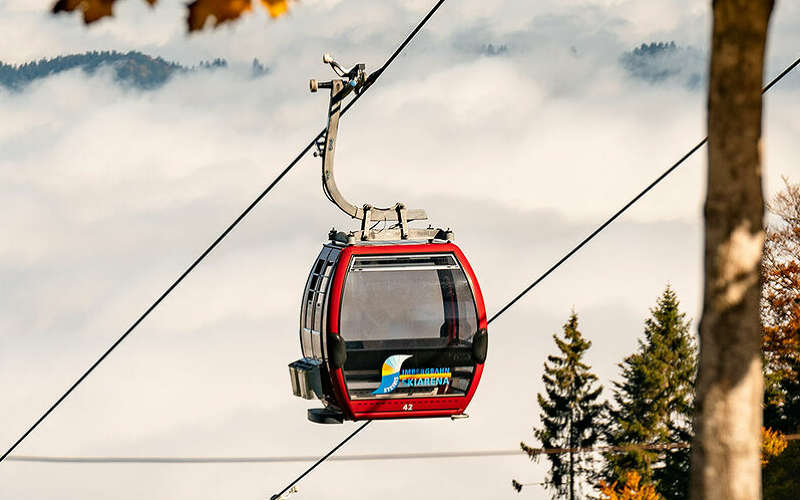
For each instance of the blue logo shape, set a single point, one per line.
(390, 373)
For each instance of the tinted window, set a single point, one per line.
(408, 297)
(414, 314)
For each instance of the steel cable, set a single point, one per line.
(580, 245)
(628, 205)
(325, 457)
(372, 78)
(354, 458)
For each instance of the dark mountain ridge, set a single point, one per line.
(133, 68)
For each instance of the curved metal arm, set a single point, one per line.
(355, 80)
(338, 92)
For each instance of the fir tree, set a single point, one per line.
(570, 412)
(653, 403)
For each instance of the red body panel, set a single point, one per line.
(406, 407)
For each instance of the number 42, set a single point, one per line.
(408, 407)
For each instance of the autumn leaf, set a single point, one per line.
(92, 9)
(221, 10)
(631, 490)
(772, 444)
(227, 10)
(200, 11)
(780, 297)
(276, 8)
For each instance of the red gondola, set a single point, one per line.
(392, 323)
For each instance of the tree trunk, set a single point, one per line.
(725, 461)
(571, 460)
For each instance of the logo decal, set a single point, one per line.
(390, 373)
(393, 376)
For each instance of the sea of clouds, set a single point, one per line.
(108, 193)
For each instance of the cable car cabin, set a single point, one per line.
(390, 330)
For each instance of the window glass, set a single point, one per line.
(408, 297)
(413, 314)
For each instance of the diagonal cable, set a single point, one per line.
(628, 205)
(599, 229)
(277, 496)
(372, 78)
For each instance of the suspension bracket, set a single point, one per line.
(356, 81)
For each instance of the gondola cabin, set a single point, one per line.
(392, 322)
(390, 330)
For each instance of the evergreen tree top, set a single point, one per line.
(653, 400)
(570, 412)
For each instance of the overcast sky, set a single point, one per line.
(107, 194)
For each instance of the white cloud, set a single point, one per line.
(107, 194)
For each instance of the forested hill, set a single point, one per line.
(131, 68)
(665, 61)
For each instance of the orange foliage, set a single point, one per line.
(632, 490)
(200, 11)
(276, 8)
(221, 10)
(780, 301)
(772, 444)
(92, 9)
